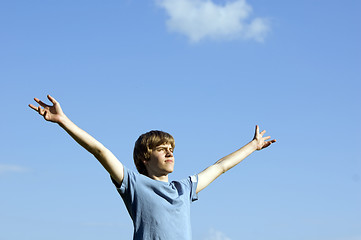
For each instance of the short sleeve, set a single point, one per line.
(128, 176)
(194, 182)
(190, 184)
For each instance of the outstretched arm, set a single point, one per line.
(224, 164)
(55, 114)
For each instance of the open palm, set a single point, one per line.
(50, 113)
(260, 140)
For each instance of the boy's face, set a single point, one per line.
(161, 161)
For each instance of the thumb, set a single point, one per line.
(52, 99)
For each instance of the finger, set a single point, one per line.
(257, 129)
(52, 100)
(45, 113)
(269, 143)
(44, 105)
(266, 138)
(263, 132)
(33, 107)
(41, 103)
(41, 111)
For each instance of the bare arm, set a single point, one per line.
(224, 164)
(105, 157)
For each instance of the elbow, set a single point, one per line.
(99, 152)
(222, 168)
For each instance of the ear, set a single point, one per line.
(147, 154)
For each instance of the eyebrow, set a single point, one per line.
(163, 146)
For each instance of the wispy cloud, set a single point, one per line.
(216, 235)
(7, 168)
(201, 19)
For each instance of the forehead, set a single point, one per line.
(166, 145)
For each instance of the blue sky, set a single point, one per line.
(121, 68)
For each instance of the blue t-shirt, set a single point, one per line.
(159, 210)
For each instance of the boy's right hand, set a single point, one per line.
(50, 113)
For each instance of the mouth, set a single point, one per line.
(169, 161)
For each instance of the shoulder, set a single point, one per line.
(190, 186)
(129, 177)
(188, 181)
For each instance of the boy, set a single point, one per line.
(159, 209)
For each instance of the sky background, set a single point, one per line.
(206, 72)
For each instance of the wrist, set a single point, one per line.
(63, 119)
(253, 144)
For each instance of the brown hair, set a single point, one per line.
(146, 143)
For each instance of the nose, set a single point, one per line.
(169, 152)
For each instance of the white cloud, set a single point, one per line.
(200, 19)
(216, 235)
(6, 168)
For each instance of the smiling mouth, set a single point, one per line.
(168, 161)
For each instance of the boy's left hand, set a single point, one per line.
(260, 140)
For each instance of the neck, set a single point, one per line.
(162, 178)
